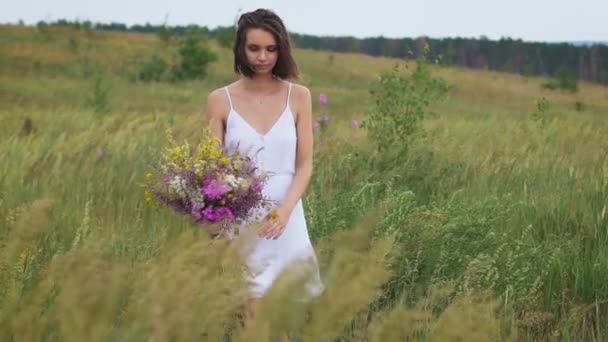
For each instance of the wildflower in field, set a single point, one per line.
(322, 99)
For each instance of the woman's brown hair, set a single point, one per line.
(267, 20)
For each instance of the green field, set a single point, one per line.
(493, 225)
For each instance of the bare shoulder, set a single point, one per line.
(301, 93)
(301, 99)
(301, 102)
(217, 104)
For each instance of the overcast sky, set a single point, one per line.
(531, 20)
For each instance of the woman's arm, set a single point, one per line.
(215, 112)
(304, 149)
(277, 220)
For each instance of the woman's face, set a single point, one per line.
(261, 50)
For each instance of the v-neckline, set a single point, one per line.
(232, 110)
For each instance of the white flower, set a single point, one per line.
(196, 196)
(233, 182)
(177, 185)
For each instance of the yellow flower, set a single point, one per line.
(148, 175)
(222, 202)
(224, 161)
(274, 214)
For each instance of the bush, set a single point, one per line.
(401, 102)
(153, 70)
(565, 80)
(194, 56)
(541, 115)
(165, 33)
(99, 98)
(225, 36)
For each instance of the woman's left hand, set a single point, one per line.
(275, 223)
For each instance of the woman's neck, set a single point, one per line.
(259, 83)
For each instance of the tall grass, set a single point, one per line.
(493, 226)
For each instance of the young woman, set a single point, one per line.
(264, 115)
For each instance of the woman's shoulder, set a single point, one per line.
(299, 91)
(218, 104)
(219, 94)
(216, 96)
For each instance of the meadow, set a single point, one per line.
(491, 225)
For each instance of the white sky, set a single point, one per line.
(530, 20)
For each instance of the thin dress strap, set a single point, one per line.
(228, 95)
(288, 93)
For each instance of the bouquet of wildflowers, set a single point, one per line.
(216, 189)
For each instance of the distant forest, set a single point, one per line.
(587, 62)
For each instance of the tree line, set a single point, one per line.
(510, 55)
(586, 62)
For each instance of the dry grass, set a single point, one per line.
(492, 229)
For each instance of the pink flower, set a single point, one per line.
(323, 99)
(197, 212)
(220, 213)
(325, 118)
(210, 214)
(214, 188)
(316, 126)
(225, 213)
(257, 186)
(355, 123)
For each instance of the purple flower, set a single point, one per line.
(257, 186)
(210, 214)
(355, 123)
(216, 214)
(225, 213)
(322, 99)
(325, 118)
(177, 205)
(214, 188)
(197, 211)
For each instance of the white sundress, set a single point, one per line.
(274, 152)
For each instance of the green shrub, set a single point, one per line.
(565, 80)
(155, 69)
(194, 57)
(99, 98)
(225, 35)
(401, 102)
